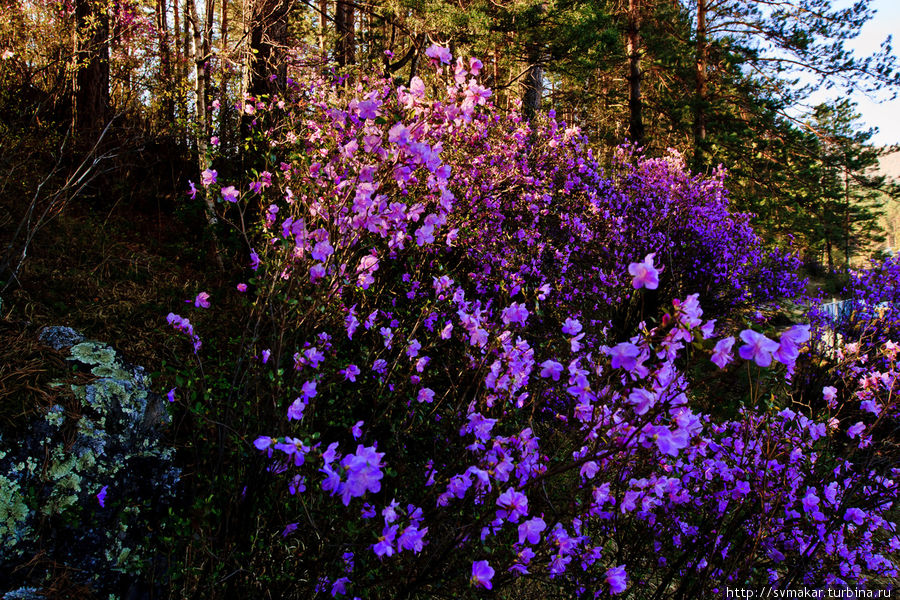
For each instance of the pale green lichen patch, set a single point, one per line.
(13, 514)
(93, 353)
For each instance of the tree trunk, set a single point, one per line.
(165, 58)
(199, 60)
(701, 87)
(633, 49)
(268, 36)
(223, 68)
(323, 26)
(345, 50)
(91, 94)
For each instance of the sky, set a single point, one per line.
(886, 115)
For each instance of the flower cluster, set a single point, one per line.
(502, 329)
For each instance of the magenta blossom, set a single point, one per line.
(230, 194)
(208, 177)
(439, 54)
(644, 273)
(242, 287)
(202, 300)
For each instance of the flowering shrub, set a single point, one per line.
(438, 296)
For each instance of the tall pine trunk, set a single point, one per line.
(700, 95)
(633, 49)
(91, 96)
(344, 20)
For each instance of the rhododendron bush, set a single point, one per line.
(478, 341)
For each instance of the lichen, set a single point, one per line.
(93, 353)
(51, 478)
(13, 514)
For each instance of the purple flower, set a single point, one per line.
(412, 538)
(230, 194)
(357, 430)
(616, 578)
(789, 348)
(515, 502)
(855, 515)
(265, 356)
(531, 530)
(242, 287)
(829, 393)
(722, 352)
(208, 177)
(265, 442)
(350, 373)
(339, 587)
(171, 395)
(368, 109)
(426, 395)
(309, 389)
(482, 574)
(571, 327)
(757, 347)
(551, 368)
(295, 410)
(624, 356)
(101, 496)
(644, 273)
(288, 529)
(855, 430)
(441, 55)
(515, 313)
(202, 300)
(384, 546)
(192, 192)
(254, 259)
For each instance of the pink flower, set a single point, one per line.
(722, 352)
(829, 393)
(230, 194)
(208, 177)
(202, 300)
(439, 54)
(242, 287)
(644, 273)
